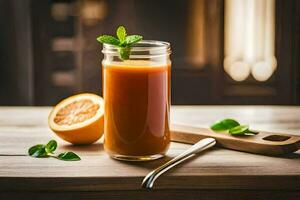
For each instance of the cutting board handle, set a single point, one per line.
(266, 143)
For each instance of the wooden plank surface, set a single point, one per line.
(158, 195)
(22, 127)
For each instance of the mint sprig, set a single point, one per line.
(123, 42)
(233, 127)
(43, 151)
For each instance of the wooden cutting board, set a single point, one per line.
(266, 143)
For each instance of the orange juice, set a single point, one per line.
(137, 109)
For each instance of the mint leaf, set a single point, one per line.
(242, 130)
(68, 156)
(238, 130)
(224, 124)
(51, 146)
(121, 33)
(133, 39)
(107, 39)
(37, 151)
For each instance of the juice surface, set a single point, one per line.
(137, 104)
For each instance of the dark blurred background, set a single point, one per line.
(48, 49)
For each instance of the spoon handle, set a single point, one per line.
(196, 148)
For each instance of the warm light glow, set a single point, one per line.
(196, 33)
(250, 39)
(93, 11)
(239, 70)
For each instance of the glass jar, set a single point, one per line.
(137, 101)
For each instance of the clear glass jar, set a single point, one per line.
(137, 101)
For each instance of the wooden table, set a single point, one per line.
(217, 173)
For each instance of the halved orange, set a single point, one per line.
(78, 119)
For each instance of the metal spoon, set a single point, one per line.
(196, 148)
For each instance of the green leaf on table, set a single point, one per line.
(233, 127)
(51, 146)
(41, 150)
(38, 151)
(68, 156)
(224, 124)
(242, 130)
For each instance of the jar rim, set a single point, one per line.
(150, 46)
